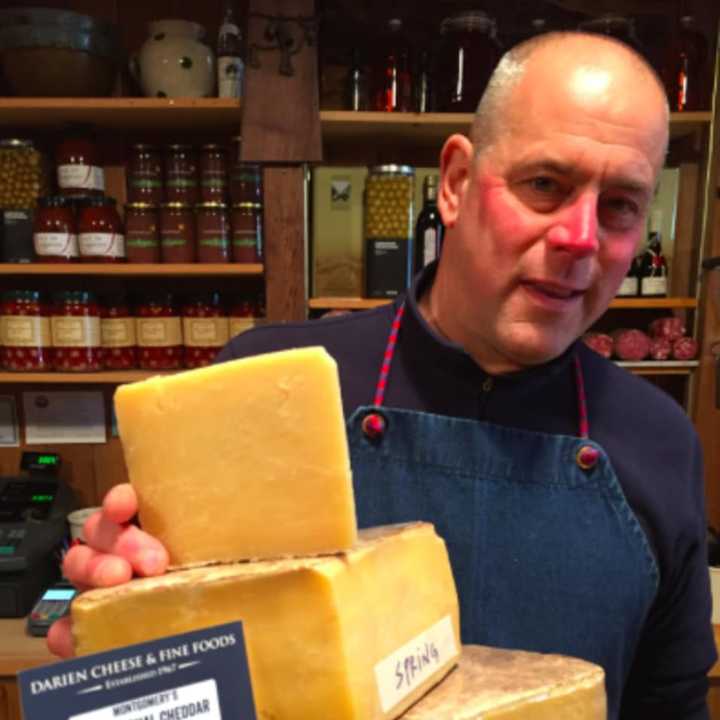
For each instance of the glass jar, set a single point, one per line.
(213, 232)
(616, 26)
(177, 233)
(144, 175)
(469, 52)
(75, 329)
(159, 333)
(205, 330)
(389, 193)
(55, 231)
(117, 334)
(25, 341)
(79, 167)
(243, 316)
(142, 237)
(23, 172)
(100, 231)
(245, 178)
(247, 237)
(213, 173)
(181, 174)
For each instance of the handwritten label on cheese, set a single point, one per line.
(404, 670)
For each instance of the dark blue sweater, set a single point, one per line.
(646, 434)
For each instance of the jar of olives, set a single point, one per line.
(23, 173)
(389, 192)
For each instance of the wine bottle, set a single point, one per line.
(429, 228)
(230, 64)
(654, 268)
(630, 286)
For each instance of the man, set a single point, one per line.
(568, 491)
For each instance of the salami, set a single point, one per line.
(684, 348)
(599, 342)
(632, 345)
(660, 348)
(670, 327)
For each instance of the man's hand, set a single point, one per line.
(114, 552)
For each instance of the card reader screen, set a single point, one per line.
(59, 594)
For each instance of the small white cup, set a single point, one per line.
(77, 519)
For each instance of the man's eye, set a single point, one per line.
(619, 212)
(544, 185)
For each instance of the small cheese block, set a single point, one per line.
(243, 460)
(492, 684)
(357, 636)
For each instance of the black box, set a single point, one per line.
(16, 236)
(387, 267)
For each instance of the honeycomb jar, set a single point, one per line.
(389, 192)
(25, 343)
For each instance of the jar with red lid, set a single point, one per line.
(54, 231)
(213, 173)
(243, 316)
(142, 234)
(79, 166)
(205, 329)
(159, 333)
(75, 329)
(247, 239)
(145, 175)
(100, 231)
(117, 334)
(213, 232)
(177, 233)
(25, 341)
(181, 174)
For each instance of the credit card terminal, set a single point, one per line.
(53, 604)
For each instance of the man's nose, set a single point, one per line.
(576, 227)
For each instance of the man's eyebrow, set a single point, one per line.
(548, 166)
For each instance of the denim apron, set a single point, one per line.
(546, 553)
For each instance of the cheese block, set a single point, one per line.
(357, 636)
(493, 684)
(242, 460)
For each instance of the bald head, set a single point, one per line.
(592, 67)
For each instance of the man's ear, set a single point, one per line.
(455, 164)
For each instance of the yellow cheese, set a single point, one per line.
(492, 684)
(246, 459)
(327, 637)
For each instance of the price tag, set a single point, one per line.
(201, 675)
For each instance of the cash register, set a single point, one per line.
(33, 526)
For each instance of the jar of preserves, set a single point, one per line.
(159, 333)
(144, 175)
(142, 235)
(213, 173)
(469, 52)
(25, 341)
(243, 316)
(54, 230)
(117, 334)
(75, 329)
(247, 235)
(79, 167)
(245, 178)
(181, 174)
(389, 192)
(24, 174)
(100, 231)
(205, 329)
(177, 233)
(213, 233)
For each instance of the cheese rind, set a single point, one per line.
(316, 628)
(243, 460)
(494, 684)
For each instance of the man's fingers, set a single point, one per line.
(59, 638)
(120, 504)
(85, 567)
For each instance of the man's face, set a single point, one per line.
(551, 215)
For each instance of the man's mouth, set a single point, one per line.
(554, 292)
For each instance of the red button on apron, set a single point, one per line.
(587, 457)
(373, 425)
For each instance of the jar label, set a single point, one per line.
(241, 324)
(245, 238)
(117, 332)
(159, 332)
(85, 177)
(56, 244)
(145, 182)
(205, 332)
(141, 241)
(178, 181)
(654, 286)
(68, 331)
(102, 245)
(220, 241)
(230, 72)
(24, 331)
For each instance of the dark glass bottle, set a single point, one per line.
(230, 64)
(653, 266)
(423, 85)
(392, 84)
(356, 84)
(687, 74)
(429, 229)
(630, 286)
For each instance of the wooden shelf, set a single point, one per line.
(345, 303)
(426, 129)
(660, 367)
(215, 114)
(110, 377)
(133, 269)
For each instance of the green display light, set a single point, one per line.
(47, 460)
(42, 498)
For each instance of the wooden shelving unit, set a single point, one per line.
(660, 367)
(133, 270)
(110, 377)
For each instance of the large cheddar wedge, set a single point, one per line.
(326, 636)
(247, 459)
(493, 684)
